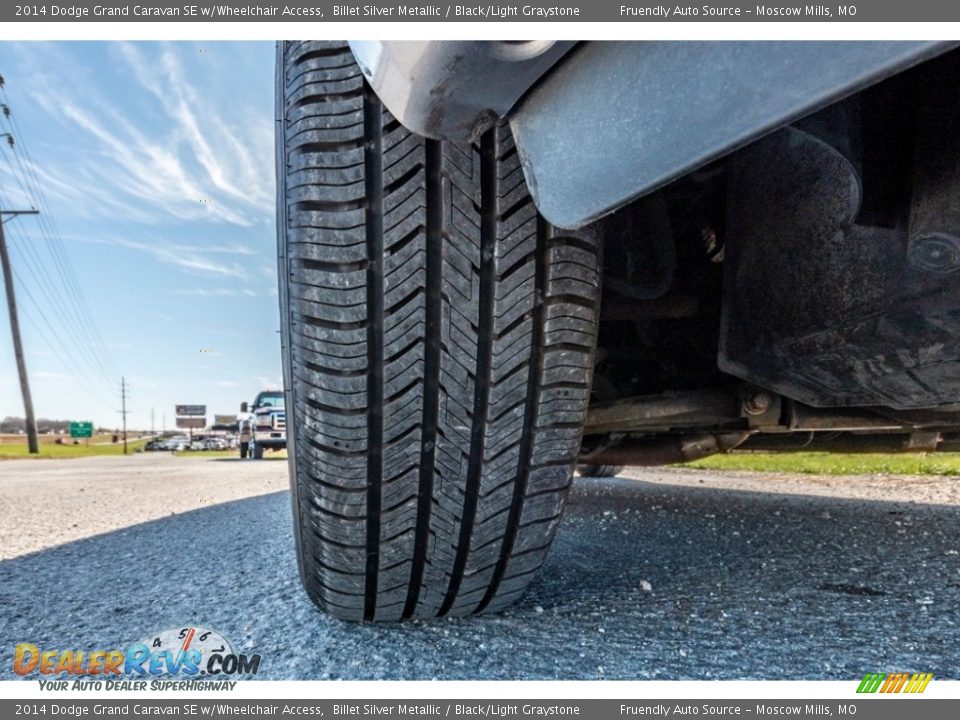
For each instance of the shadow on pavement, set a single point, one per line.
(644, 581)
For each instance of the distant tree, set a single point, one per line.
(12, 424)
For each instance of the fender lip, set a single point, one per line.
(454, 90)
(618, 120)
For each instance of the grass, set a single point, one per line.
(15, 446)
(813, 463)
(821, 463)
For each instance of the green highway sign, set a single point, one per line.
(81, 429)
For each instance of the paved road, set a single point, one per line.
(673, 575)
(93, 495)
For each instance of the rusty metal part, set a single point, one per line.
(804, 417)
(662, 412)
(757, 408)
(757, 401)
(666, 450)
(922, 442)
(761, 408)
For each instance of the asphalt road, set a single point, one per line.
(675, 575)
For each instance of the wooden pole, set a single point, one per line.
(32, 442)
(123, 395)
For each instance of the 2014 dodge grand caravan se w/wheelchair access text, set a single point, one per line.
(500, 260)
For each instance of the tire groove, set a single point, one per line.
(525, 459)
(431, 370)
(373, 177)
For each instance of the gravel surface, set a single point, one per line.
(671, 575)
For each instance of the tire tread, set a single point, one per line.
(439, 340)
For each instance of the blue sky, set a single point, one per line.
(157, 166)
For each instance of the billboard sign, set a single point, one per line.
(193, 410)
(191, 423)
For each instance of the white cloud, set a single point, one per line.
(207, 292)
(150, 170)
(224, 292)
(189, 258)
(239, 161)
(199, 164)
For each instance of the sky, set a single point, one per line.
(155, 258)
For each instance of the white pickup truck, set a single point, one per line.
(264, 425)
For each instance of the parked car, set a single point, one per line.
(176, 443)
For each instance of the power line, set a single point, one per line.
(54, 240)
(48, 288)
(66, 357)
(83, 333)
(62, 262)
(67, 279)
(45, 285)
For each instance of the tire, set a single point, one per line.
(408, 268)
(244, 447)
(256, 451)
(601, 389)
(599, 470)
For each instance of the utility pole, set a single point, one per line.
(32, 443)
(151, 422)
(123, 400)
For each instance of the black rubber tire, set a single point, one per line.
(599, 470)
(244, 447)
(438, 340)
(256, 451)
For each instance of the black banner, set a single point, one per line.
(395, 11)
(878, 708)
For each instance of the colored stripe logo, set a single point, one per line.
(894, 683)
